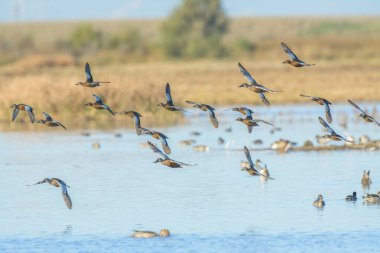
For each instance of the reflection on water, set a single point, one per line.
(117, 188)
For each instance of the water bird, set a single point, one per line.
(167, 161)
(372, 198)
(254, 86)
(364, 115)
(59, 183)
(136, 118)
(252, 122)
(242, 110)
(351, 197)
(275, 129)
(96, 145)
(202, 148)
(263, 170)
(150, 234)
(159, 136)
(296, 62)
(89, 80)
(169, 105)
(187, 142)
(221, 141)
(366, 179)
(319, 202)
(50, 122)
(282, 145)
(206, 108)
(23, 107)
(324, 102)
(333, 135)
(248, 112)
(99, 105)
(251, 169)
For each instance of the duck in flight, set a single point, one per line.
(322, 101)
(363, 114)
(59, 183)
(136, 118)
(251, 169)
(89, 80)
(296, 62)
(248, 112)
(208, 109)
(159, 136)
(23, 107)
(50, 122)
(99, 105)
(254, 86)
(333, 135)
(166, 160)
(169, 105)
(252, 122)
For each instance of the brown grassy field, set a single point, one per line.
(346, 53)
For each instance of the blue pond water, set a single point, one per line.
(211, 207)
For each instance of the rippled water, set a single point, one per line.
(212, 207)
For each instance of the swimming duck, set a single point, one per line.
(169, 105)
(364, 115)
(167, 161)
(187, 142)
(150, 234)
(99, 105)
(208, 109)
(319, 202)
(296, 62)
(254, 86)
(59, 183)
(333, 136)
(159, 136)
(372, 198)
(50, 122)
(251, 167)
(275, 129)
(351, 197)
(252, 122)
(366, 179)
(136, 117)
(202, 148)
(89, 80)
(321, 101)
(23, 107)
(282, 145)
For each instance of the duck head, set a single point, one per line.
(161, 104)
(243, 85)
(240, 119)
(158, 160)
(13, 106)
(286, 62)
(79, 83)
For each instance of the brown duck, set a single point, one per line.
(169, 105)
(252, 122)
(251, 169)
(333, 135)
(159, 136)
(363, 114)
(99, 105)
(167, 161)
(321, 101)
(50, 122)
(89, 80)
(208, 109)
(23, 107)
(248, 112)
(296, 62)
(136, 118)
(254, 86)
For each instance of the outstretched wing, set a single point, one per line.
(59, 123)
(48, 117)
(87, 70)
(289, 52)
(248, 112)
(246, 74)
(262, 121)
(191, 102)
(248, 156)
(264, 99)
(212, 117)
(186, 164)
(109, 109)
(157, 150)
(29, 110)
(15, 113)
(136, 119)
(328, 113)
(65, 194)
(324, 124)
(98, 99)
(164, 144)
(306, 96)
(356, 106)
(168, 94)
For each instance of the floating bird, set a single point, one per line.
(208, 109)
(50, 122)
(252, 122)
(169, 105)
(295, 61)
(372, 198)
(89, 80)
(363, 114)
(254, 86)
(150, 234)
(201, 148)
(167, 161)
(23, 107)
(251, 167)
(159, 136)
(187, 142)
(366, 179)
(136, 117)
(322, 101)
(59, 183)
(351, 197)
(333, 136)
(275, 129)
(319, 202)
(99, 105)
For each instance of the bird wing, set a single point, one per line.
(248, 112)
(327, 111)
(48, 117)
(356, 106)
(108, 109)
(263, 121)
(98, 99)
(136, 119)
(323, 123)
(212, 117)
(59, 123)
(157, 150)
(191, 102)
(87, 70)
(15, 113)
(264, 99)
(306, 96)
(65, 194)
(289, 52)
(164, 144)
(185, 164)
(250, 129)
(168, 94)
(246, 74)
(248, 156)
(29, 110)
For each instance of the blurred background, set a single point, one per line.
(139, 45)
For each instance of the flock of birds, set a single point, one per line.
(249, 120)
